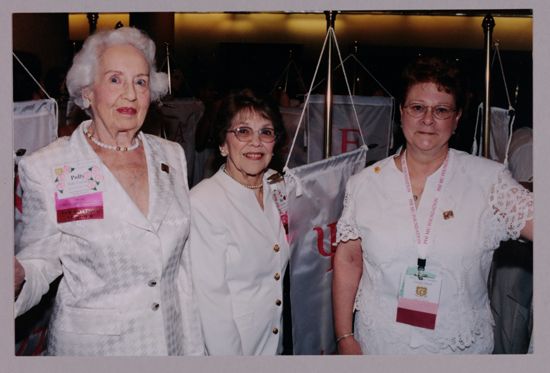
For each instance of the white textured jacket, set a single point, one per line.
(239, 255)
(126, 287)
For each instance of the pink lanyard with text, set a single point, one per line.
(422, 243)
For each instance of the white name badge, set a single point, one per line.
(418, 298)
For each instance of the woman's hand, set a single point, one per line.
(19, 276)
(349, 346)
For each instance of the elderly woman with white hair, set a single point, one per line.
(108, 210)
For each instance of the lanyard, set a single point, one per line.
(422, 242)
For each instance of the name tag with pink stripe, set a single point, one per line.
(78, 191)
(418, 299)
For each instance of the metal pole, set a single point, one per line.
(327, 151)
(92, 21)
(355, 77)
(168, 68)
(285, 88)
(488, 25)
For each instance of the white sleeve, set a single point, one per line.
(208, 264)
(511, 203)
(40, 241)
(193, 340)
(346, 228)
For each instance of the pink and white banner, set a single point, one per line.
(315, 194)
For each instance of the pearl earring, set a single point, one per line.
(223, 152)
(85, 102)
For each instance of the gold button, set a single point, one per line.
(278, 302)
(275, 330)
(277, 276)
(276, 248)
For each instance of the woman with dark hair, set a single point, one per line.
(418, 231)
(239, 251)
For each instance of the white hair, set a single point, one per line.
(81, 75)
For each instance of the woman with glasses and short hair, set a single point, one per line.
(239, 251)
(418, 231)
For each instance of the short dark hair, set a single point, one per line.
(236, 102)
(446, 74)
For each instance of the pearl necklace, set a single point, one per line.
(259, 186)
(117, 148)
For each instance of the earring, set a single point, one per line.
(85, 102)
(223, 152)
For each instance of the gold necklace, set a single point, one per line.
(259, 186)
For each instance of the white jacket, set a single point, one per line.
(239, 255)
(126, 286)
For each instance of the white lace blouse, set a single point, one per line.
(487, 206)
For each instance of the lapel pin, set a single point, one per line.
(448, 214)
(164, 167)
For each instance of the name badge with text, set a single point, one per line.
(78, 191)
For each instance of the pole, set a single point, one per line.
(92, 21)
(327, 151)
(488, 25)
(168, 68)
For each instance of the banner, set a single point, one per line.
(375, 116)
(500, 133)
(34, 124)
(315, 194)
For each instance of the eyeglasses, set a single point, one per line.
(419, 110)
(245, 134)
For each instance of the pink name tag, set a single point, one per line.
(418, 299)
(89, 206)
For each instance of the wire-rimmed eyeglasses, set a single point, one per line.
(245, 134)
(440, 112)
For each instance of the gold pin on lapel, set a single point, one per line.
(164, 167)
(448, 214)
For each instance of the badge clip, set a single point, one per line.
(421, 265)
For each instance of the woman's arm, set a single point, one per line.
(18, 275)
(348, 266)
(527, 231)
(40, 241)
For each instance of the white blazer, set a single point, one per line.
(239, 255)
(126, 287)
